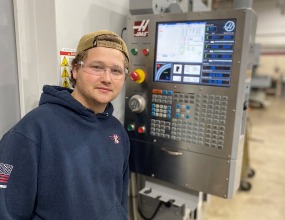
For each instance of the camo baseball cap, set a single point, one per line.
(102, 38)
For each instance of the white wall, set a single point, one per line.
(271, 23)
(36, 49)
(74, 19)
(9, 90)
(43, 27)
(271, 35)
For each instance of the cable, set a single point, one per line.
(124, 29)
(153, 215)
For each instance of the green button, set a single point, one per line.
(134, 51)
(131, 127)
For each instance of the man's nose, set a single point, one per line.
(107, 74)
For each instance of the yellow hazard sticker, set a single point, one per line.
(64, 62)
(65, 83)
(65, 73)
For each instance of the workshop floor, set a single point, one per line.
(266, 199)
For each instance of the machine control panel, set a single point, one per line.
(185, 95)
(188, 117)
(137, 103)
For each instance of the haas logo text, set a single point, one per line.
(141, 28)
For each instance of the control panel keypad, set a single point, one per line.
(161, 103)
(194, 118)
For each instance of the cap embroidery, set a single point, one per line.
(116, 138)
(5, 171)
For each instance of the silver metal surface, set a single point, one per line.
(189, 164)
(242, 4)
(166, 192)
(158, 6)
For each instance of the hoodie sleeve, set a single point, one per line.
(18, 176)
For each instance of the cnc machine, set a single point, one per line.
(187, 96)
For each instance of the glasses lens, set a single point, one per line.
(117, 72)
(98, 69)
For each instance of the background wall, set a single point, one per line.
(270, 33)
(270, 27)
(45, 27)
(36, 49)
(77, 19)
(9, 90)
(271, 36)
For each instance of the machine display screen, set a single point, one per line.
(195, 52)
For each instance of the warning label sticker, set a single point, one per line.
(66, 57)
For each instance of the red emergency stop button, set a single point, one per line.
(141, 129)
(135, 76)
(138, 75)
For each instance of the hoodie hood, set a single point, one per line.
(62, 96)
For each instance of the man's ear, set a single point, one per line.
(74, 72)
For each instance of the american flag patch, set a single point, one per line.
(5, 171)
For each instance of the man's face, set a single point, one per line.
(94, 91)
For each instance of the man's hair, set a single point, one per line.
(74, 64)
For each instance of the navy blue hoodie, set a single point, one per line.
(62, 161)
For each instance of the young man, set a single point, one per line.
(68, 158)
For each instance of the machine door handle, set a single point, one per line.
(172, 153)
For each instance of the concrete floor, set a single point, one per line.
(266, 199)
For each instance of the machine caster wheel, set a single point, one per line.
(245, 186)
(251, 173)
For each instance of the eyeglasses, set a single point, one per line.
(99, 68)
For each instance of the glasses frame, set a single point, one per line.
(126, 71)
